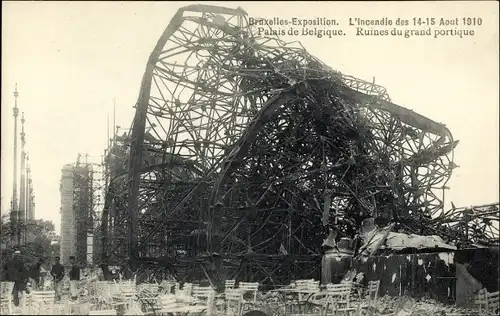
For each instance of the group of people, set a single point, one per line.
(15, 271)
(58, 273)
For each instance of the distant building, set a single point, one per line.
(68, 229)
(76, 213)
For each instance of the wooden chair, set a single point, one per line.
(124, 295)
(147, 294)
(42, 302)
(305, 289)
(373, 287)
(148, 288)
(229, 284)
(6, 297)
(204, 295)
(372, 295)
(339, 298)
(24, 304)
(248, 288)
(302, 282)
(171, 304)
(133, 308)
(103, 294)
(233, 302)
(481, 299)
(492, 301)
(166, 287)
(187, 289)
(165, 303)
(202, 292)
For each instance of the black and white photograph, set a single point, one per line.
(250, 158)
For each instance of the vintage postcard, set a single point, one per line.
(250, 158)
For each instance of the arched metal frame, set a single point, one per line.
(245, 151)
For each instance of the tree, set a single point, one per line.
(40, 234)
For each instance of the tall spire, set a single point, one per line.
(29, 215)
(30, 209)
(23, 135)
(114, 122)
(22, 190)
(14, 211)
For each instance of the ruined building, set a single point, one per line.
(246, 153)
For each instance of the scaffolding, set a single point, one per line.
(81, 194)
(113, 224)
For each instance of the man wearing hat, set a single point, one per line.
(74, 277)
(57, 273)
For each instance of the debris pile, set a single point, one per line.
(404, 305)
(377, 239)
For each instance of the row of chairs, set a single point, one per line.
(343, 298)
(111, 296)
(154, 298)
(108, 298)
(35, 303)
(485, 301)
(332, 298)
(6, 297)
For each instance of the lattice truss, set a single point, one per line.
(249, 147)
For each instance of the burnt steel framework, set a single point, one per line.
(245, 151)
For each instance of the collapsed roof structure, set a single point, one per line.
(245, 151)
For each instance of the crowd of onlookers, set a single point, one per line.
(36, 277)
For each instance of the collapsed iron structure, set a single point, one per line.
(246, 151)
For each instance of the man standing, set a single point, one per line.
(57, 273)
(106, 274)
(74, 277)
(35, 274)
(17, 273)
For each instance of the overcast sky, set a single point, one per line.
(71, 59)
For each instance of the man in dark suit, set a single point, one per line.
(74, 277)
(35, 274)
(57, 273)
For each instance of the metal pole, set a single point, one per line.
(442, 207)
(115, 131)
(29, 216)
(14, 214)
(29, 204)
(22, 190)
(443, 203)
